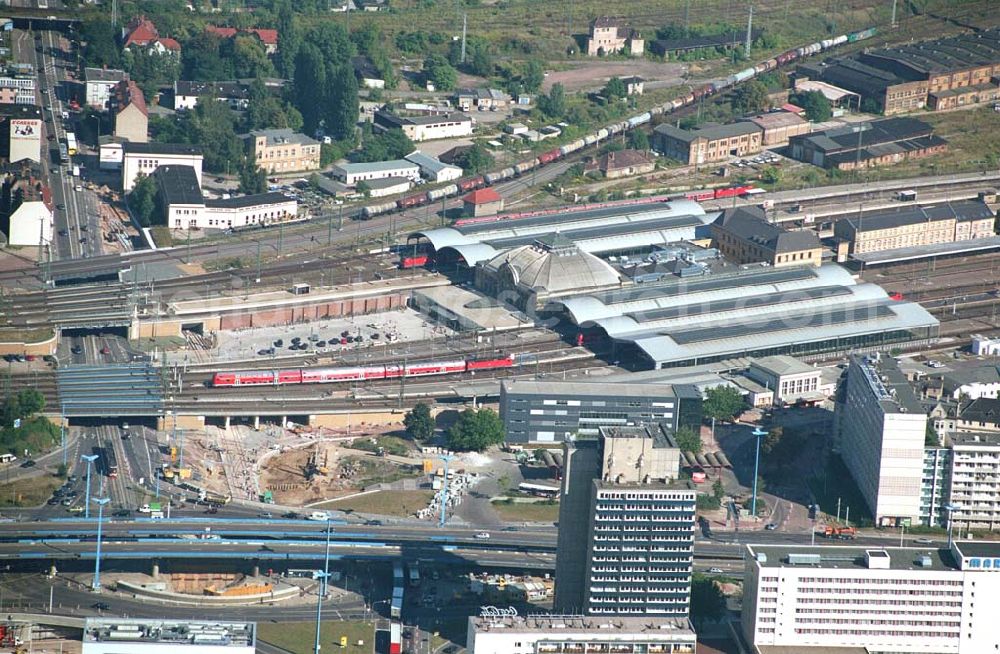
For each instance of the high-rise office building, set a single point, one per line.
(626, 526)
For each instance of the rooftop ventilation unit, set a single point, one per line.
(924, 561)
(803, 559)
(761, 557)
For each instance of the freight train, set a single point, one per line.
(709, 89)
(360, 373)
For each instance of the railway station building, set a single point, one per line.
(916, 225)
(745, 235)
(754, 311)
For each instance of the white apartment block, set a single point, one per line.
(501, 631)
(890, 601)
(974, 483)
(881, 439)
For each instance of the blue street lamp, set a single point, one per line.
(322, 577)
(759, 434)
(444, 489)
(100, 501)
(89, 458)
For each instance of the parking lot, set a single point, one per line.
(349, 334)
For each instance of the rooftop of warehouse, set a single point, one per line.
(710, 131)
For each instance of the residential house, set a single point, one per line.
(482, 99)
(100, 85)
(624, 163)
(709, 143)
(612, 35)
(268, 37)
(128, 106)
(142, 33)
(283, 151)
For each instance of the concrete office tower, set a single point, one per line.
(626, 526)
(882, 428)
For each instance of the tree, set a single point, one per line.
(142, 200)
(419, 423)
(718, 490)
(751, 98)
(772, 440)
(31, 402)
(310, 86)
(482, 61)
(870, 105)
(553, 105)
(637, 140)
(931, 438)
(202, 59)
(248, 56)
(252, 179)
(770, 175)
(364, 188)
(708, 604)
(615, 89)
(817, 107)
(101, 47)
(476, 430)
(391, 144)
(341, 114)
(333, 42)
(688, 440)
(289, 40)
(722, 403)
(212, 125)
(61, 470)
(267, 111)
(367, 39)
(476, 159)
(534, 75)
(438, 71)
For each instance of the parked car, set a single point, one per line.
(483, 535)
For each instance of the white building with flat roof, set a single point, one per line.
(432, 169)
(151, 636)
(497, 631)
(881, 439)
(888, 600)
(352, 173)
(100, 85)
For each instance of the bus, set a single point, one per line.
(539, 490)
(106, 462)
(71, 143)
(414, 575)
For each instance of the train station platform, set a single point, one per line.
(926, 251)
(464, 310)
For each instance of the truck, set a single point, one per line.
(395, 638)
(319, 516)
(414, 575)
(76, 171)
(841, 533)
(906, 196)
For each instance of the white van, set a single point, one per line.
(321, 516)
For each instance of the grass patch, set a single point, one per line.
(394, 503)
(835, 482)
(31, 491)
(161, 236)
(527, 511)
(22, 335)
(300, 637)
(233, 263)
(390, 444)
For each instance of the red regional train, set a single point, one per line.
(364, 373)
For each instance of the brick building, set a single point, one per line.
(779, 126)
(709, 143)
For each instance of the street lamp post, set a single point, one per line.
(100, 501)
(89, 458)
(322, 577)
(758, 434)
